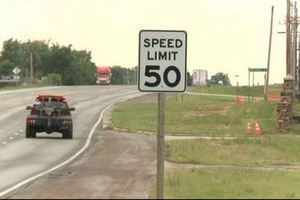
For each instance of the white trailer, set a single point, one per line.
(199, 77)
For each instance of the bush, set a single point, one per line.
(52, 79)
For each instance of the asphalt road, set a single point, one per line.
(21, 158)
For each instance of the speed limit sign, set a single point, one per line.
(162, 61)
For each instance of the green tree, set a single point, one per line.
(82, 70)
(52, 79)
(40, 52)
(124, 76)
(220, 77)
(14, 53)
(189, 79)
(118, 75)
(75, 67)
(6, 67)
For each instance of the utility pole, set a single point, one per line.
(288, 35)
(253, 86)
(292, 62)
(31, 61)
(299, 71)
(269, 54)
(127, 77)
(31, 66)
(294, 44)
(237, 84)
(248, 85)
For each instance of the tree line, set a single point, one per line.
(124, 76)
(55, 64)
(69, 66)
(62, 65)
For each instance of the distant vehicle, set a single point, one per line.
(103, 75)
(49, 113)
(199, 77)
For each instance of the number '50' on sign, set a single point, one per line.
(150, 72)
(162, 61)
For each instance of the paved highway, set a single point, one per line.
(21, 158)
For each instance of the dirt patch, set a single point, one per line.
(207, 110)
(107, 118)
(180, 166)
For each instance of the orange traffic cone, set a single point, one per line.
(238, 100)
(257, 129)
(249, 129)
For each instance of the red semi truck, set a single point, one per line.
(103, 75)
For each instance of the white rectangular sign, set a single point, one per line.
(162, 61)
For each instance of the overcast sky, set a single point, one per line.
(223, 35)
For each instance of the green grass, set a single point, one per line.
(220, 116)
(231, 184)
(24, 84)
(257, 91)
(275, 150)
(19, 86)
(135, 116)
(198, 115)
(296, 108)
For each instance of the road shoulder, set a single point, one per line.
(116, 165)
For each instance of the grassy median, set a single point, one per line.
(257, 91)
(198, 115)
(220, 116)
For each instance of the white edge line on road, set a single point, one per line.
(87, 143)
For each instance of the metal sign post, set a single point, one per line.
(160, 145)
(162, 68)
(253, 70)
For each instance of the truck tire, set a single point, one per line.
(30, 132)
(68, 134)
(33, 133)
